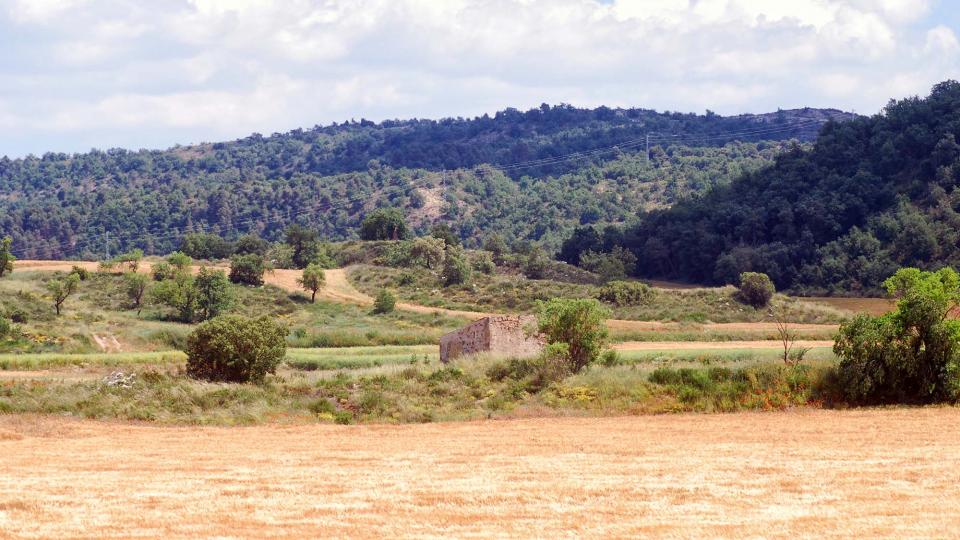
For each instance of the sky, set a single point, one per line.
(82, 74)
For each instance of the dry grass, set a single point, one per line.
(824, 474)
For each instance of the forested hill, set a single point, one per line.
(870, 196)
(511, 172)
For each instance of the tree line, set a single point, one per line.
(871, 195)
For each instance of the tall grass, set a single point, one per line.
(56, 360)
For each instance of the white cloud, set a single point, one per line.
(941, 40)
(185, 70)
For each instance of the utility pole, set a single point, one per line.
(647, 154)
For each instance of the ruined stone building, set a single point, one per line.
(511, 335)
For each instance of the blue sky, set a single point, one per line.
(78, 74)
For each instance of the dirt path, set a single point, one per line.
(698, 345)
(826, 474)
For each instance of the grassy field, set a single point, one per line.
(515, 293)
(98, 318)
(408, 384)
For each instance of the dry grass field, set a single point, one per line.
(810, 473)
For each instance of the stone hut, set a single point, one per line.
(514, 335)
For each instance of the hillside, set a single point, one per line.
(461, 171)
(871, 195)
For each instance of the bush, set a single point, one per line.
(81, 272)
(384, 224)
(456, 271)
(6, 255)
(179, 260)
(163, 271)
(756, 289)
(19, 316)
(385, 302)
(247, 269)
(580, 323)
(6, 327)
(626, 293)
(232, 348)
(535, 265)
(911, 354)
(483, 263)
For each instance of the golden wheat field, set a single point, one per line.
(826, 474)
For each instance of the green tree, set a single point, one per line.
(178, 293)
(445, 233)
(180, 261)
(497, 247)
(251, 244)
(131, 259)
(135, 285)
(232, 348)
(756, 289)
(384, 224)
(247, 269)
(61, 289)
(213, 293)
(536, 264)
(579, 323)
(456, 270)
(385, 302)
(911, 354)
(6, 257)
(304, 243)
(312, 280)
(205, 246)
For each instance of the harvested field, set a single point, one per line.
(825, 474)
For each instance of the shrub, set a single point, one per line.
(213, 293)
(580, 323)
(911, 354)
(385, 302)
(443, 232)
(6, 327)
(456, 271)
(535, 265)
(6, 256)
(626, 293)
(162, 271)
(617, 264)
(497, 247)
(232, 348)
(81, 272)
(135, 285)
(131, 259)
(205, 246)
(19, 316)
(384, 224)
(483, 262)
(756, 289)
(179, 260)
(247, 269)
